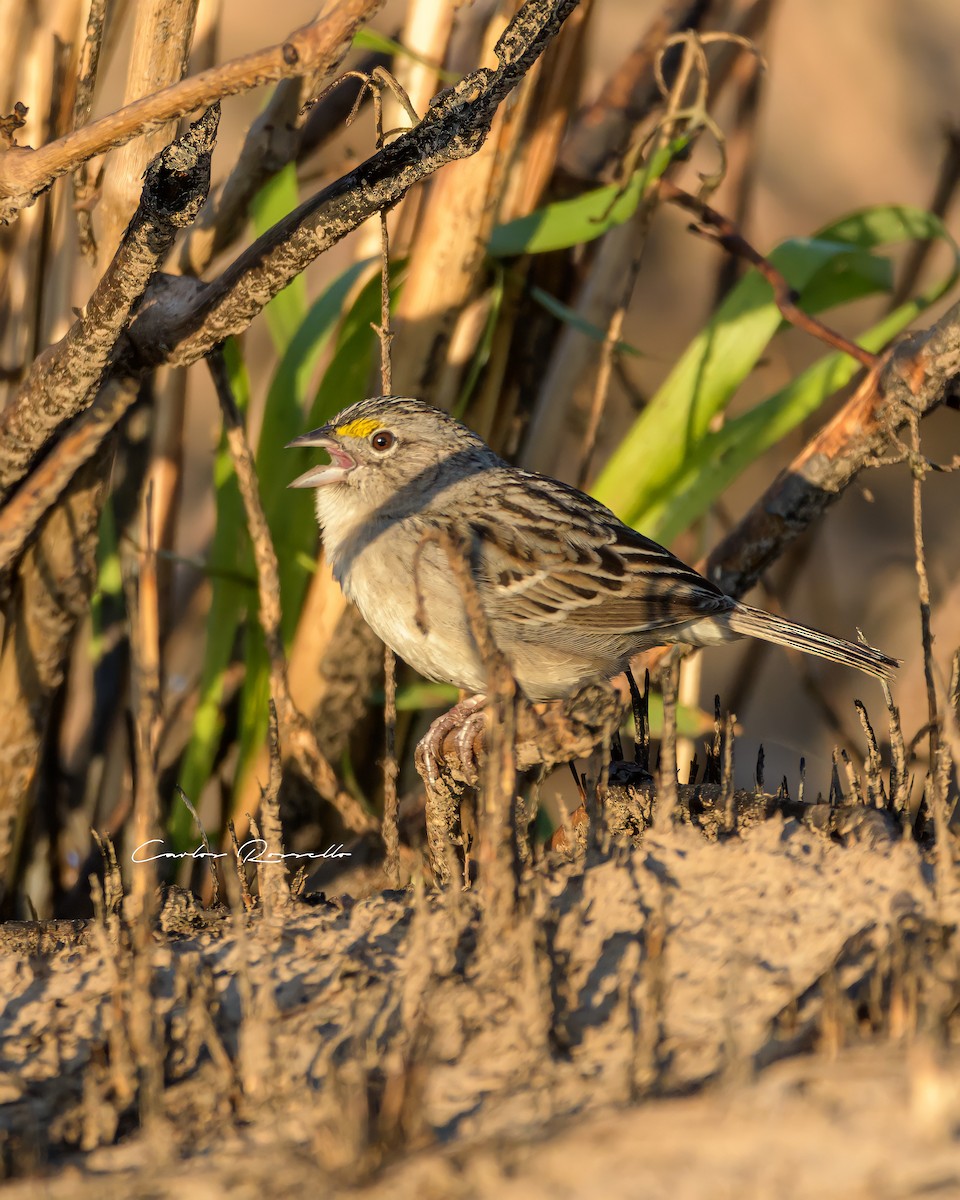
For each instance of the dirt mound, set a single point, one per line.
(409, 1038)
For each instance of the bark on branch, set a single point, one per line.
(915, 375)
(65, 378)
(25, 173)
(455, 126)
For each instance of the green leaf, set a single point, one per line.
(290, 514)
(674, 462)
(278, 197)
(369, 39)
(419, 695)
(572, 318)
(725, 454)
(230, 556)
(482, 354)
(107, 598)
(572, 222)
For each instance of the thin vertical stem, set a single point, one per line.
(391, 801)
(923, 589)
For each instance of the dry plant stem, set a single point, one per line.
(22, 514)
(741, 145)
(298, 738)
(950, 730)
(727, 797)
(918, 468)
(640, 223)
(391, 801)
(246, 896)
(498, 843)
(913, 377)
(854, 790)
(64, 378)
(599, 136)
(48, 596)
(25, 173)
(84, 189)
(667, 780)
(143, 610)
(872, 763)
(274, 891)
(160, 52)
(900, 786)
(214, 873)
(946, 187)
(454, 127)
(722, 230)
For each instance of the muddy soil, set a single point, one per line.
(773, 1013)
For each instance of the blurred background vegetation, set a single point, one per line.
(584, 331)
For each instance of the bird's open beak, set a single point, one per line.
(335, 471)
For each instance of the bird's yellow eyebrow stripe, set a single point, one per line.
(362, 427)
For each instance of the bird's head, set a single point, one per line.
(388, 453)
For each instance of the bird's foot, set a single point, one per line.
(449, 752)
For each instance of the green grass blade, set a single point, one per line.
(278, 197)
(836, 266)
(290, 514)
(369, 39)
(570, 317)
(572, 222)
(230, 556)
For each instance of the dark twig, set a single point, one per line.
(728, 800)
(209, 855)
(899, 783)
(299, 740)
(872, 762)
(455, 126)
(499, 863)
(725, 233)
(946, 186)
(667, 777)
(391, 769)
(64, 379)
(246, 895)
(641, 719)
(26, 173)
(923, 589)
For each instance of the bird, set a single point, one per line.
(570, 593)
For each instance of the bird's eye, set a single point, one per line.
(382, 440)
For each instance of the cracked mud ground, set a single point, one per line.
(773, 1014)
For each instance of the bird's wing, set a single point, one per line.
(557, 556)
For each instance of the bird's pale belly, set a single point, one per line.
(445, 652)
(545, 669)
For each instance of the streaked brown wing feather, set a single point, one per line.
(561, 557)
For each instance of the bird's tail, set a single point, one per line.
(754, 622)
